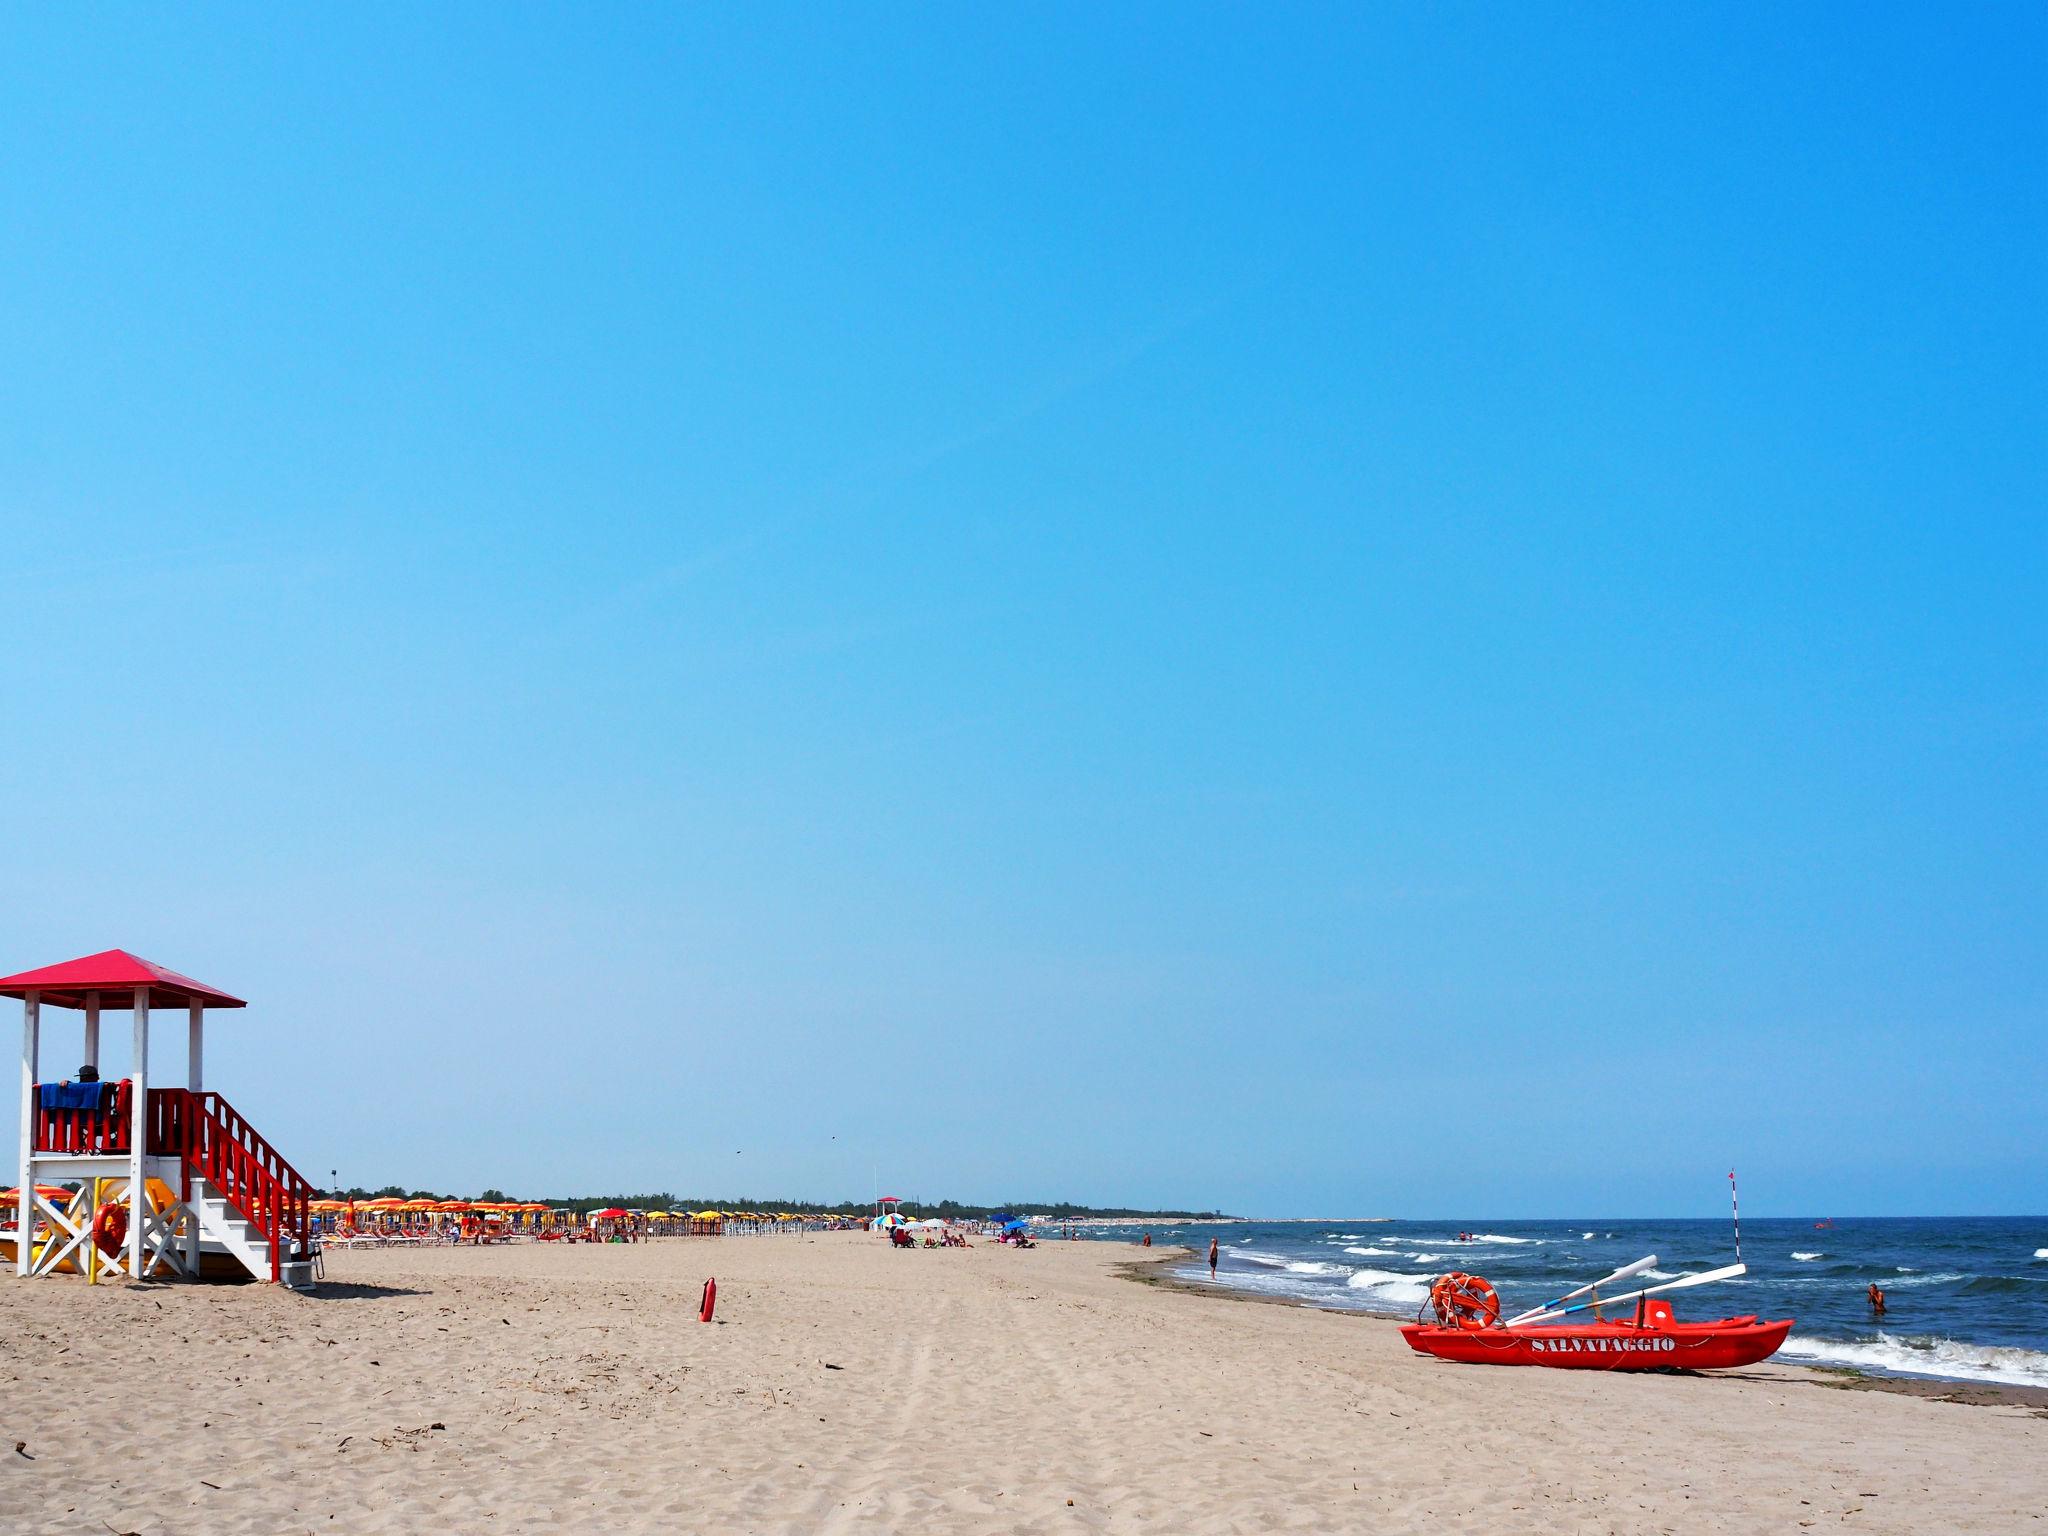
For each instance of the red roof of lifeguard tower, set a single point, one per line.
(115, 975)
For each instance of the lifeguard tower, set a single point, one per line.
(172, 1182)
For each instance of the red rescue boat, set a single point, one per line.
(1659, 1343)
(1467, 1328)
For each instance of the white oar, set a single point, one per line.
(1670, 1285)
(1622, 1273)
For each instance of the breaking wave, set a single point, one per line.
(1807, 1258)
(1925, 1355)
(1372, 1253)
(1387, 1287)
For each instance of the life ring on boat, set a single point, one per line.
(110, 1228)
(1464, 1301)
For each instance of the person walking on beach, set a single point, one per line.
(1212, 1258)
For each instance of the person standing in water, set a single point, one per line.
(1212, 1258)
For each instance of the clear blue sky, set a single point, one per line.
(1424, 611)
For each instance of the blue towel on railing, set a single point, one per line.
(94, 1096)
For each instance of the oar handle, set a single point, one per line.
(1670, 1285)
(1648, 1261)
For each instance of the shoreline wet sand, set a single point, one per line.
(846, 1387)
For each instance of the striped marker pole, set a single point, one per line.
(1735, 1206)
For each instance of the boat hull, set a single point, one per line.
(1708, 1346)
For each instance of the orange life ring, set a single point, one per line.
(1464, 1301)
(110, 1228)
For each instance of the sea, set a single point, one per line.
(1966, 1297)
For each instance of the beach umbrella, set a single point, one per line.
(614, 1214)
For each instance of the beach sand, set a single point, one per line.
(846, 1387)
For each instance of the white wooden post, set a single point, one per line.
(25, 1207)
(138, 1135)
(195, 1078)
(92, 1030)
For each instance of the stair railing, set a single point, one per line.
(215, 1142)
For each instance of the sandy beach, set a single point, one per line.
(848, 1387)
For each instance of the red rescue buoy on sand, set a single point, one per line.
(710, 1301)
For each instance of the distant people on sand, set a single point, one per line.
(1212, 1258)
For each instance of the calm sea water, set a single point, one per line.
(1968, 1297)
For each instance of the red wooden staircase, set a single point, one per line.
(246, 1196)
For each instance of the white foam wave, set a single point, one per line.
(1384, 1285)
(1469, 1237)
(1807, 1258)
(1311, 1267)
(1924, 1355)
(1427, 1258)
(1372, 1253)
(1905, 1282)
(1584, 1235)
(1657, 1274)
(1264, 1260)
(2041, 1253)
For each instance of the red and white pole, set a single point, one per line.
(1735, 1206)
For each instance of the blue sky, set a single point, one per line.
(1359, 611)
